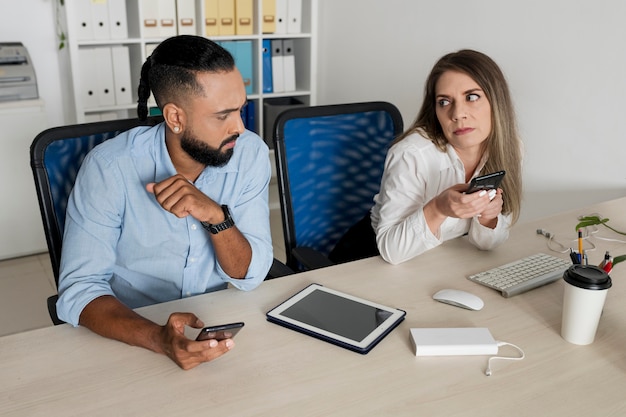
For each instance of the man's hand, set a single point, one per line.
(108, 317)
(181, 198)
(188, 353)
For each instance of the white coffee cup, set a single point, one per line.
(586, 287)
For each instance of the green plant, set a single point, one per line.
(60, 31)
(596, 220)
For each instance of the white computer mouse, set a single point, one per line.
(459, 298)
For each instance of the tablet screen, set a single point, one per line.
(337, 314)
(336, 317)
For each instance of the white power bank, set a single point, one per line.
(453, 341)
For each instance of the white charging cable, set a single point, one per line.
(519, 358)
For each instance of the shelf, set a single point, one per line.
(139, 46)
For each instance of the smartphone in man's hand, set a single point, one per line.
(220, 332)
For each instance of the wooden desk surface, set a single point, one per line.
(274, 371)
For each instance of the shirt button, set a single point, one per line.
(192, 259)
(188, 294)
(194, 227)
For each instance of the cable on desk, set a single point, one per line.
(519, 358)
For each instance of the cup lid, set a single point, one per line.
(589, 277)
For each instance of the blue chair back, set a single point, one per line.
(55, 156)
(330, 161)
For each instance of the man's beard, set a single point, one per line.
(204, 154)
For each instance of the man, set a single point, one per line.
(170, 211)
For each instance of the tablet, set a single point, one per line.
(338, 318)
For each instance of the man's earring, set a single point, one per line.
(176, 129)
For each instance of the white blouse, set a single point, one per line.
(416, 171)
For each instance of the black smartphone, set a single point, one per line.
(221, 332)
(485, 182)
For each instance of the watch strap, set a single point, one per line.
(226, 224)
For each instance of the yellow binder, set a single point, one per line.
(269, 16)
(243, 14)
(211, 17)
(226, 21)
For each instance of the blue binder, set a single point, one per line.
(267, 66)
(242, 52)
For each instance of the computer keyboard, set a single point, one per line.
(523, 275)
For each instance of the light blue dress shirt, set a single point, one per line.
(119, 241)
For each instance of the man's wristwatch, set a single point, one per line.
(226, 224)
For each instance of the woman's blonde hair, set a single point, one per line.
(503, 146)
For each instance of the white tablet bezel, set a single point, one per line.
(364, 345)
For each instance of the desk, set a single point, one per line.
(274, 371)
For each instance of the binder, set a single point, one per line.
(96, 77)
(226, 21)
(105, 87)
(269, 16)
(267, 66)
(243, 14)
(281, 16)
(149, 18)
(186, 17)
(100, 20)
(278, 80)
(120, 61)
(211, 16)
(158, 18)
(118, 21)
(294, 16)
(289, 66)
(83, 25)
(167, 18)
(87, 82)
(243, 61)
(242, 53)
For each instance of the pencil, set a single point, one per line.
(580, 245)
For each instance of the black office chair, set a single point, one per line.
(56, 155)
(329, 162)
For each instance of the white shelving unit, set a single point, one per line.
(305, 46)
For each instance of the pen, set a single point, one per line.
(608, 266)
(580, 245)
(607, 258)
(573, 256)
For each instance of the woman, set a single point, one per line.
(465, 128)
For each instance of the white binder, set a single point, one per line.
(186, 17)
(105, 86)
(87, 71)
(118, 21)
(121, 75)
(289, 65)
(294, 16)
(167, 18)
(149, 13)
(278, 77)
(281, 16)
(100, 20)
(82, 21)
